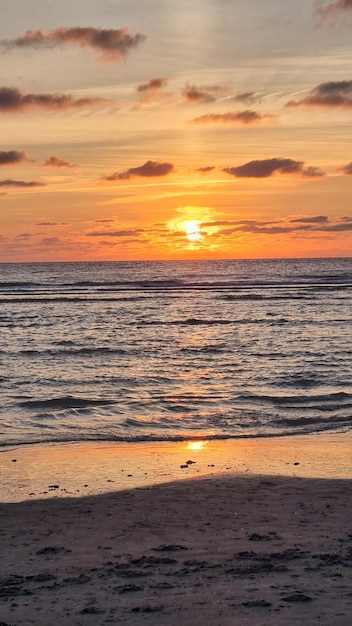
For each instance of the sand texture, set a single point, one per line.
(218, 551)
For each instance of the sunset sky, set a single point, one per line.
(154, 129)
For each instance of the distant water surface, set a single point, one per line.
(174, 350)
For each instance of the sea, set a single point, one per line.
(172, 351)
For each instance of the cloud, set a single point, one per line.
(55, 161)
(206, 169)
(148, 170)
(148, 91)
(111, 44)
(11, 157)
(192, 94)
(153, 91)
(242, 118)
(128, 232)
(306, 224)
(267, 167)
(346, 169)
(343, 226)
(20, 183)
(246, 96)
(14, 100)
(51, 223)
(331, 94)
(318, 219)
(331, 10)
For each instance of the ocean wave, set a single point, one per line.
(73, 351)
(306, 400)
(288, 430)
(67, 402)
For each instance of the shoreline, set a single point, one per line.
(37, 471)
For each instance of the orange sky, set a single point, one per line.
(156, 130)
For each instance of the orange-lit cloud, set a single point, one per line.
(51, 224)
(193, 94)
(111, 44)
(267, 167)
(12, 157)
(152, 90)
(346, 169)
(242, 118)
(331, 94)
(14, 100)
(206, 169)
(126, 232)
(305, 224)
(148, 170)
(55, 161)
(20, 183)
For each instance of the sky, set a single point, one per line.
(147, 130)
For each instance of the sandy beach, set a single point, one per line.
(242, 547)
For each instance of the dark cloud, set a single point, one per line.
(193, 94)
(313, 172)
(153, 90)
(55, 161)
(51, 224)
(24, 236)
(246, 96)
(339, 227)
(318, 219)
(107, 220)
(20, 183)
(129, 232)
(111, 44)
(346, 169)
(242, 118)
(311, 224)
(14, 100)
(50, 241)
(267, 167)
(148, 170)
(154, 84)
(12, 157)
(206, 169)
(331, 94)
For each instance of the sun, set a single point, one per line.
(193, 232)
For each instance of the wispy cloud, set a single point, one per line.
(331, 11)
(346, 169)
(111, 44)
(303, 225)
(317, 219)
(14, 100)
(331, 94)
(12, 157)
(246, 96)
(148, 170)
(55, 161)
(267, 167)
(206, 169)
(52, 224)
(241, 118)
(127, 232)
(20, 183)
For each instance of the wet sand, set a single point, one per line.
(221, 549)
